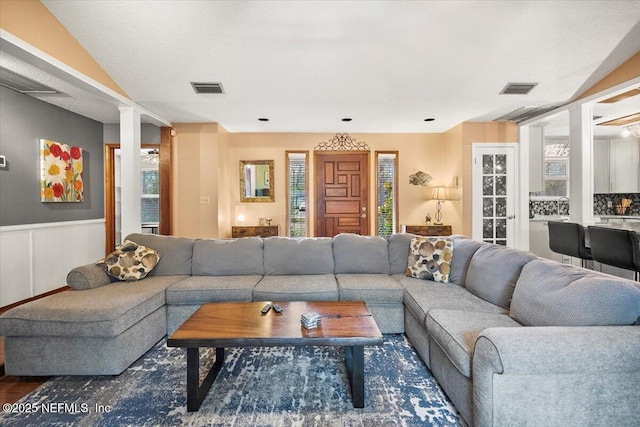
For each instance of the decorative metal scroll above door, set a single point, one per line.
(342, 142)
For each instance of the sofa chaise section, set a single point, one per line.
(100, 331)
(100, 327)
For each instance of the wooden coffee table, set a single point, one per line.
(348, 324)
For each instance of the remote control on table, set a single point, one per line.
(277, 308)
(266, 308)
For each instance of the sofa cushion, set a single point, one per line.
(421, 296)
(372, 288)
(236, 257)
(430, 258)
(464, 249)
(130, 261)
(553, 294)
(456, 331)
(106, 311)
(398, 248)
(202, 289)
(284, 255)
(176, 252)
(318, 287)
(353, 253)
(88, 277)
(493, 272)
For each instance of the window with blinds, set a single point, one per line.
(386, 193)
(297, 193)
(150, 196)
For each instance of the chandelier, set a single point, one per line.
(631, 130)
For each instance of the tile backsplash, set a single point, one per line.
(550, 207)
(600, 203)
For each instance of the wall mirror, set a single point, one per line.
(256, 180)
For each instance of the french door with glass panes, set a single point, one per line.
(494, 193)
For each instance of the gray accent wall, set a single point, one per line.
(23, 122)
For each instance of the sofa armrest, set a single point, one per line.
(88, 277)
(557, 376)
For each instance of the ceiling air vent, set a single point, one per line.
(205, 88)
(525, 113)
(22, 84)
(518, 88)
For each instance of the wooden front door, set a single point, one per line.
(342, 194)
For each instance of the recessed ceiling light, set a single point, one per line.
(429, 119)
(347, 119)
(263, 119)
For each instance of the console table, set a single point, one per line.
(428, 230)
(254, 231)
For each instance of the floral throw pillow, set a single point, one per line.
(130, 261)
(430, 258)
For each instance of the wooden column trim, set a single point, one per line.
(165, 180)
(109, 197)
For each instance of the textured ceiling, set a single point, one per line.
(386, 64)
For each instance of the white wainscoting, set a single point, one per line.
(35, 258)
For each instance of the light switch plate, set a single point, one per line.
(3, 162)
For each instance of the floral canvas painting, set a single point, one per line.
(61, 172)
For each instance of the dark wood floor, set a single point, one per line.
(14, 388)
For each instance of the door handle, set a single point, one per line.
(364, 209)
(363, 215)
(511, 217)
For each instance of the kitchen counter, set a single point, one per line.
(544, 218)
(598, 220)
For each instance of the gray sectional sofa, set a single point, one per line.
(512, 339)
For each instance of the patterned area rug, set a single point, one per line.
(270, 386)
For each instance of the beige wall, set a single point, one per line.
(416, 152)
(195, 156)
(32, 22)
(196, 163)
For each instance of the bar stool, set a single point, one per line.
(616, 247)
(567, 238)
